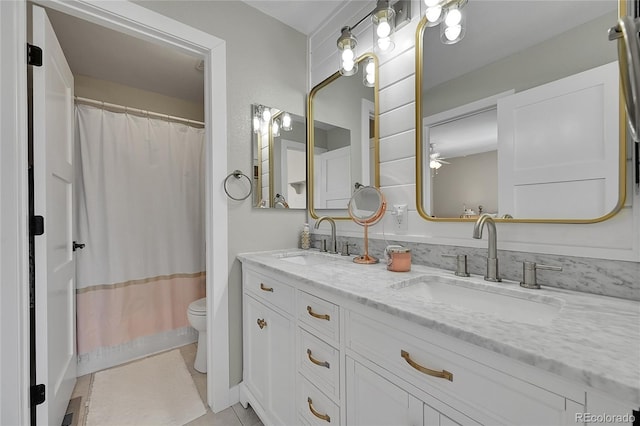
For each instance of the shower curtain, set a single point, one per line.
(140, 212)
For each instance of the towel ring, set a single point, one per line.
(237, 174)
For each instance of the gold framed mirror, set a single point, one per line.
(279, 143)
(342, 139)
(521, 120)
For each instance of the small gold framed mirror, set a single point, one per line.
(366, 208)
(342, 136)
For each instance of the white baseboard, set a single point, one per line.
(234, 394)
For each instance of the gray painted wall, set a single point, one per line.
(108, 91)
(471, 180)
(266, 64)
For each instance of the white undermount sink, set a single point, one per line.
(305, 258)
(505, 303)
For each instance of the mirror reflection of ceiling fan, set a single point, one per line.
(435, 159)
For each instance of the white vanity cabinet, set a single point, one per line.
(374, 400)
(269, 339)
(322, 358)
(489, 391)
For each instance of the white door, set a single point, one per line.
(53, 135)
(558, 142)
(333, 179)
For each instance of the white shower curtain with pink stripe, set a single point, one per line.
(140, 213)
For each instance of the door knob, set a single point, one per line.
(77, 246)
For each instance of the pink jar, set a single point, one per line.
(398, 258)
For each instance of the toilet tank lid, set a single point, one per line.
(199, 305)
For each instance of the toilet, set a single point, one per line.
(197, 314)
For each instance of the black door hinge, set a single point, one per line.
(34, 55)
(37, 394)
(37, 225)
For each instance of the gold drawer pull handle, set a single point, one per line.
(444, 374)
(261, 323)
(313, 314)
(315, 361)
(324, 417)
(265, 288)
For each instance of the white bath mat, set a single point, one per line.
(153, 391)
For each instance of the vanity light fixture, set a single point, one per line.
(386, 19)
(448, 14)
(383, 18)
(347, 43)
(369, 75)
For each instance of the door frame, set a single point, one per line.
(143, 23)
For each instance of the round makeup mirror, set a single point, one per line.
(366, 207)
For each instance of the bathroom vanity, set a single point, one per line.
(328, 341)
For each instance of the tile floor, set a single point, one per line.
(232, 416)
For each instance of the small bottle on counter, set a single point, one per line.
(305, 237)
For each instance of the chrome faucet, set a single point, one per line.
(492, 259)
(334, 243)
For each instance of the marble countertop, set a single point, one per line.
(589, 339)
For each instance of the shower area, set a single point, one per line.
(140, 216)
(139, 193)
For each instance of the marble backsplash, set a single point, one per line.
(599, 276)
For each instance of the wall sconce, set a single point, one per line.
(257, 118)
(369, 74)
(449, 14)
(386, 20)
(384, 25)
(347, 48)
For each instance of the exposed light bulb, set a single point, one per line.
(454, 16)
(452, 32)
(371, 79)
(275, 128)
(266, 115)
(286, 121)
(347, 54)
(348, 65)
(384, 29)
(256, 123)
(370, 68)
(433, 13)
(384, 44)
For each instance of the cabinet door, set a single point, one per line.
(281, 368)
(255, 342)
(373, 400)
(269, 365)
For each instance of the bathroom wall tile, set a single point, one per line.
(400, 67)
(400, 194)
(397, 121)
(398, 172)
(398, 94)
(400, 145)
(598, 276)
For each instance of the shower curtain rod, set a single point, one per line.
(121, 108)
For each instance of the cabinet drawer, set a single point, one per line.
(482, 392)
(314, 406)
(319, 315)
(320, 363)
(269, 290)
